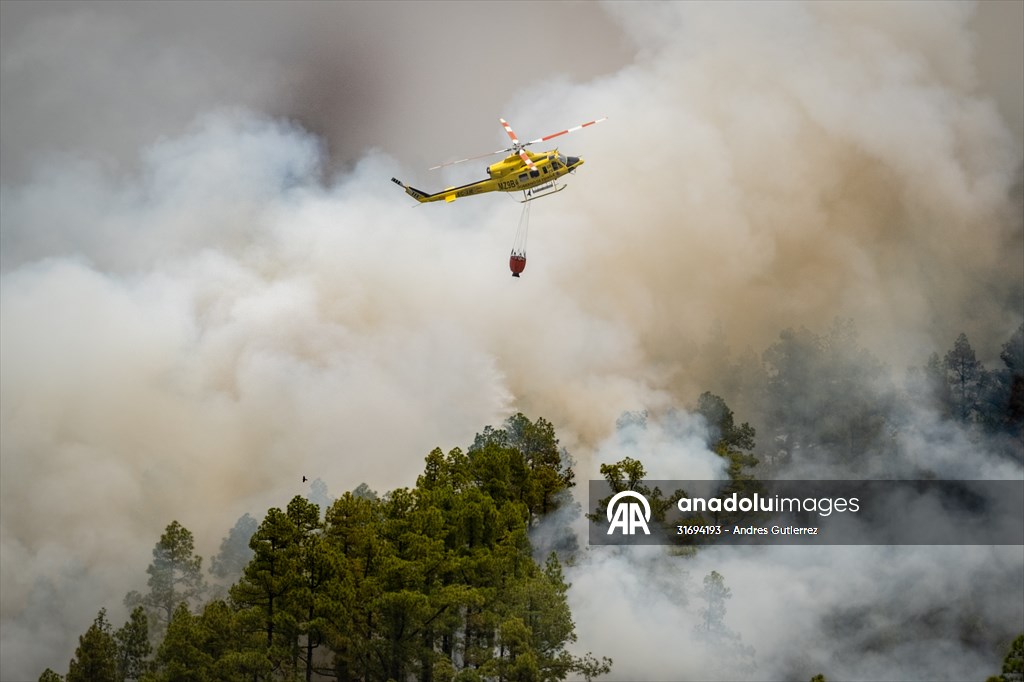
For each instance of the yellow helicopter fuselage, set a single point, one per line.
(511, 174)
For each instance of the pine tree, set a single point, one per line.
(182, 656)
(934, 384)
(357, 549)
(1005, 389)
(1013, 664)
(714, 594)
(237, 652)
(728, 440)
(965, 374)
(314, 569)
(133, 647)
(318, 494)
(235, 553)
(96, 656)
(266, 583)
(523, 461)
(175, 576)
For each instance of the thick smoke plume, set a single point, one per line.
(210, 288)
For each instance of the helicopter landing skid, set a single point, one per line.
(547, 189)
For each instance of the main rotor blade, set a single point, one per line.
(565, 132)
(517, 146)
(526, 159)
(471, 158)
(511, 134)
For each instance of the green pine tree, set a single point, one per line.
(267, 582)
(175, 576)
(96, 656)
(133, 646)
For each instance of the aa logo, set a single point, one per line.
(627, 514)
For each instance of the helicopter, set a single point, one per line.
(535, 174)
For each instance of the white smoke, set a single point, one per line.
(860, 612)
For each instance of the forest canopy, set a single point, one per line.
(442, 580)
(434, 582)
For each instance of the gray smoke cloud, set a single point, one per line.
(417, 80)
(852, 612)
(210, 288)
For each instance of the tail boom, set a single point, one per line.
(418, 195)
(448, 194)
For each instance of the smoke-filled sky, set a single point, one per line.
(210, 288)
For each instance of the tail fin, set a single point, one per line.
(416, 194)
